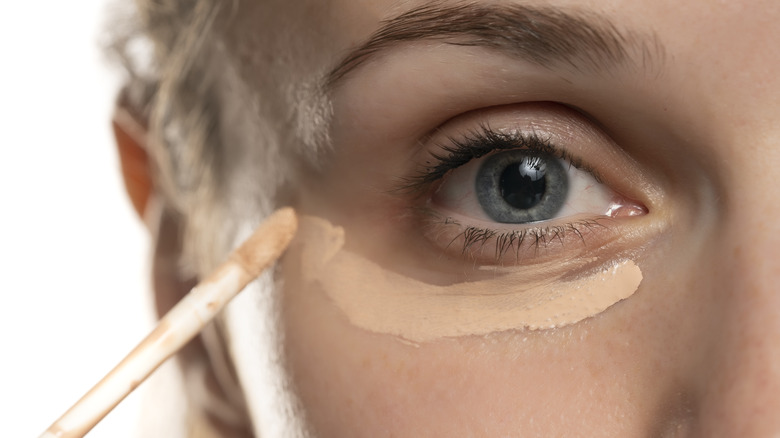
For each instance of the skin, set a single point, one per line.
(695, 352)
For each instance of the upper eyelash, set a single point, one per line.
(478, 143)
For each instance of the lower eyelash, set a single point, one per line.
(475, 238)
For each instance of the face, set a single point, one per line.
(483, 160)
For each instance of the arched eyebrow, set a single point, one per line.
(542, 35)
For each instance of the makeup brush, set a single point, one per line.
(180, 324)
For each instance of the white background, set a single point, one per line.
(73, 269)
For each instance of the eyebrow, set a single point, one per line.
(543, 35)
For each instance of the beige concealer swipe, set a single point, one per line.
(383, 301)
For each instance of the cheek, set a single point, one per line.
(611, 374)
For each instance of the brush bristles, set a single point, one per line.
(267, 243)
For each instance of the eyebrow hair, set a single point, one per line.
(542, 35)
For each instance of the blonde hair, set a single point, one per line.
(166, 49)
(187, 83)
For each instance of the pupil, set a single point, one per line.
(523, 184)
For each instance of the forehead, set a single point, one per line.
(334, 25)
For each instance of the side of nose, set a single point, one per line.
(739, 382)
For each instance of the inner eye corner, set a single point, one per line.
(624, 207)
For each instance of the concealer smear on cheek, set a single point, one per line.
(382, 301)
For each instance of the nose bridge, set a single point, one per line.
(741, 378)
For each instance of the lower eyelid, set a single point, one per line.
(575, 237)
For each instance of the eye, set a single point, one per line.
(516, 187)
(515, 181)
(520, 187)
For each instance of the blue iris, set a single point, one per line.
(520, 187)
